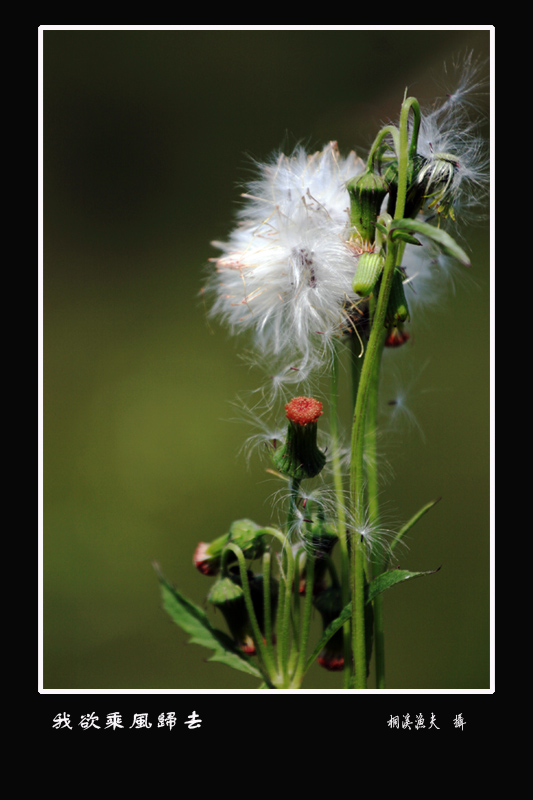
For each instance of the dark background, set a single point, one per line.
(146, 140)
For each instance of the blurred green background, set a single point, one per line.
(147, 138)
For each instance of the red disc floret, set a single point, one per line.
(303, 410)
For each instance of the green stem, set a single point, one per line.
(374, 151)
(267, 601)
(371, 429)
(286, 588)
(260, 647)
(373, 512)
(287, 585)
(306, 623)
(292, 516)
(357, 475)
(341, 511)
(406, 152)
(357, 364)
(373, 351)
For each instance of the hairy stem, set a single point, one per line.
(341, 512)
(367, 380)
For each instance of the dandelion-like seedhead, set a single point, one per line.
(286, 271)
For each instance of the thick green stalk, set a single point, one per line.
(371, 440)
(406, 151)
(267, 604)
(306, 622)
(373, 352)
(373, 513)
(287, 584)
(341, 512)
(357, 475)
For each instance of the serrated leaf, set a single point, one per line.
(384, 581)
(443, 239)
(193, 620)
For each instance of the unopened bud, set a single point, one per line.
(367, 192)
(299, 456)
(228, 596)
(244, 533)
(320, 540)
(249, 537)
(396, 337)
(329, 604)
(369, 269)
(397, 308)
(208, 555)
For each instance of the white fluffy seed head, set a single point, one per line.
(452, 127)
(286, 271)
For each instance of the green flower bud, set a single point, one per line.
(249, 537)
(329, 604)
(299, 456)
(367, 192)
(227, 596)
(396, 337)
(208, 555)
(369, 269)
(320, 540)
(243, 532)
(323, 536)
(397, 309)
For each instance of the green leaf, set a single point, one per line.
(332, 628)
(193, 620)
(384, 581)
(409, 524)
(446, 243)
(403, 236)
(390, 578)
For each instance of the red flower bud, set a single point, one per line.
(299, 456)
(396, 337)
